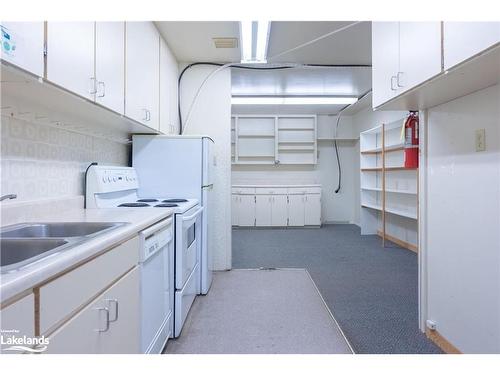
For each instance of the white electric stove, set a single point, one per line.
(117, 187)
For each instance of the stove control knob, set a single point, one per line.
(104, 179)
(114, 179)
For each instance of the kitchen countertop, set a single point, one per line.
(137, 219)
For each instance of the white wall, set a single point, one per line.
(211, 116)
(335, 207)
(462, 206)
(361, 121)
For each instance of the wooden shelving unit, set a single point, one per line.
(389, 191)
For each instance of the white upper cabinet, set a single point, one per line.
(419, 53)
(110, 65)
(70, 56)
(404, 54)
(463, 40)
(168, 90)
(385, 60)
(142, 72)
(22, 45)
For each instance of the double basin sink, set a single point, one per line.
(24, 244)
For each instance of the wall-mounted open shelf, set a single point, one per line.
(273, 139)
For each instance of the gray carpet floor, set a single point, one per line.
(371, 291)
(260, 312)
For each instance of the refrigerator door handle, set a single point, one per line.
(210, 187)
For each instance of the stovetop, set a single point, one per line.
(179, 204)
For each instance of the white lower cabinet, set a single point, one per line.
(18, 317)
(110, 324)
(276, 207)
(263, 210)
(296, 210)
(312, 209)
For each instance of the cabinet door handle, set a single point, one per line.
(393, 78)
(115, 303)
(106, 310)
(149, 114)
(102, 87)
(398, 79)
(93, 86)
(145, 118)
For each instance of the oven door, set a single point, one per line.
(187, 244)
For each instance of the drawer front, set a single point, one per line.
(271, 191)
(243, 190)
(59, 298)
(304, 190)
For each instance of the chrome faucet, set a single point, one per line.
(8, 196)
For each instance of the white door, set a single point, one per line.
(110, 324)
(313, 209)
(419, 53)
(279, 211)
(19, 318)
(385, 61)
(22, 45)
(110, 65)
(235, 206)
(263, 208)
(142, 73)
(463, 40)
(70, 56)
(168, 90)
(296, 210)
(246, 210)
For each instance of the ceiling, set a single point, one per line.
(348, 44)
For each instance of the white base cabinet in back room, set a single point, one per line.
(276, 206)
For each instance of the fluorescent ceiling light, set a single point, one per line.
(293, 100)
(246, 40)
(262, 37)
(249, 54)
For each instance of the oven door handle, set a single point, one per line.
(190, 217)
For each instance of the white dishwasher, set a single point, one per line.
(156, 265)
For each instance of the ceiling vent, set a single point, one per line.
(225, 42)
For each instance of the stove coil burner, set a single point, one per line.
(176, 200)
(147, 200)
(135, 204)
(167, 205)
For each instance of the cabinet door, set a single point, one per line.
(95, 330)
(296, 209)
(313, 209)
(70, 56)
(385, 60)
(463, 40)
(168, 90)
(263, 210)
(19, 316)
(110, 65)
(142, 73)
(235, 200)
(246, 210)
(22, 45)
(419, 53)
(279, 211)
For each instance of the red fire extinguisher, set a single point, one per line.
(411, 141)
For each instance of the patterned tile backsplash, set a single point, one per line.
(40, 161)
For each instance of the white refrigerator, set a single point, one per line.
(179, 167)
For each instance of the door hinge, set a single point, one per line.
(255, 222)
(45, 49)
(287, 222)
(287, 199)
(255, 199)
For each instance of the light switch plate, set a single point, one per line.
(480, 140)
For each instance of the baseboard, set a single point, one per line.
(442, 342)
(399, 242)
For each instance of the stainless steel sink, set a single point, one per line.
(26, 243)
(16, 253)
(55, 230)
